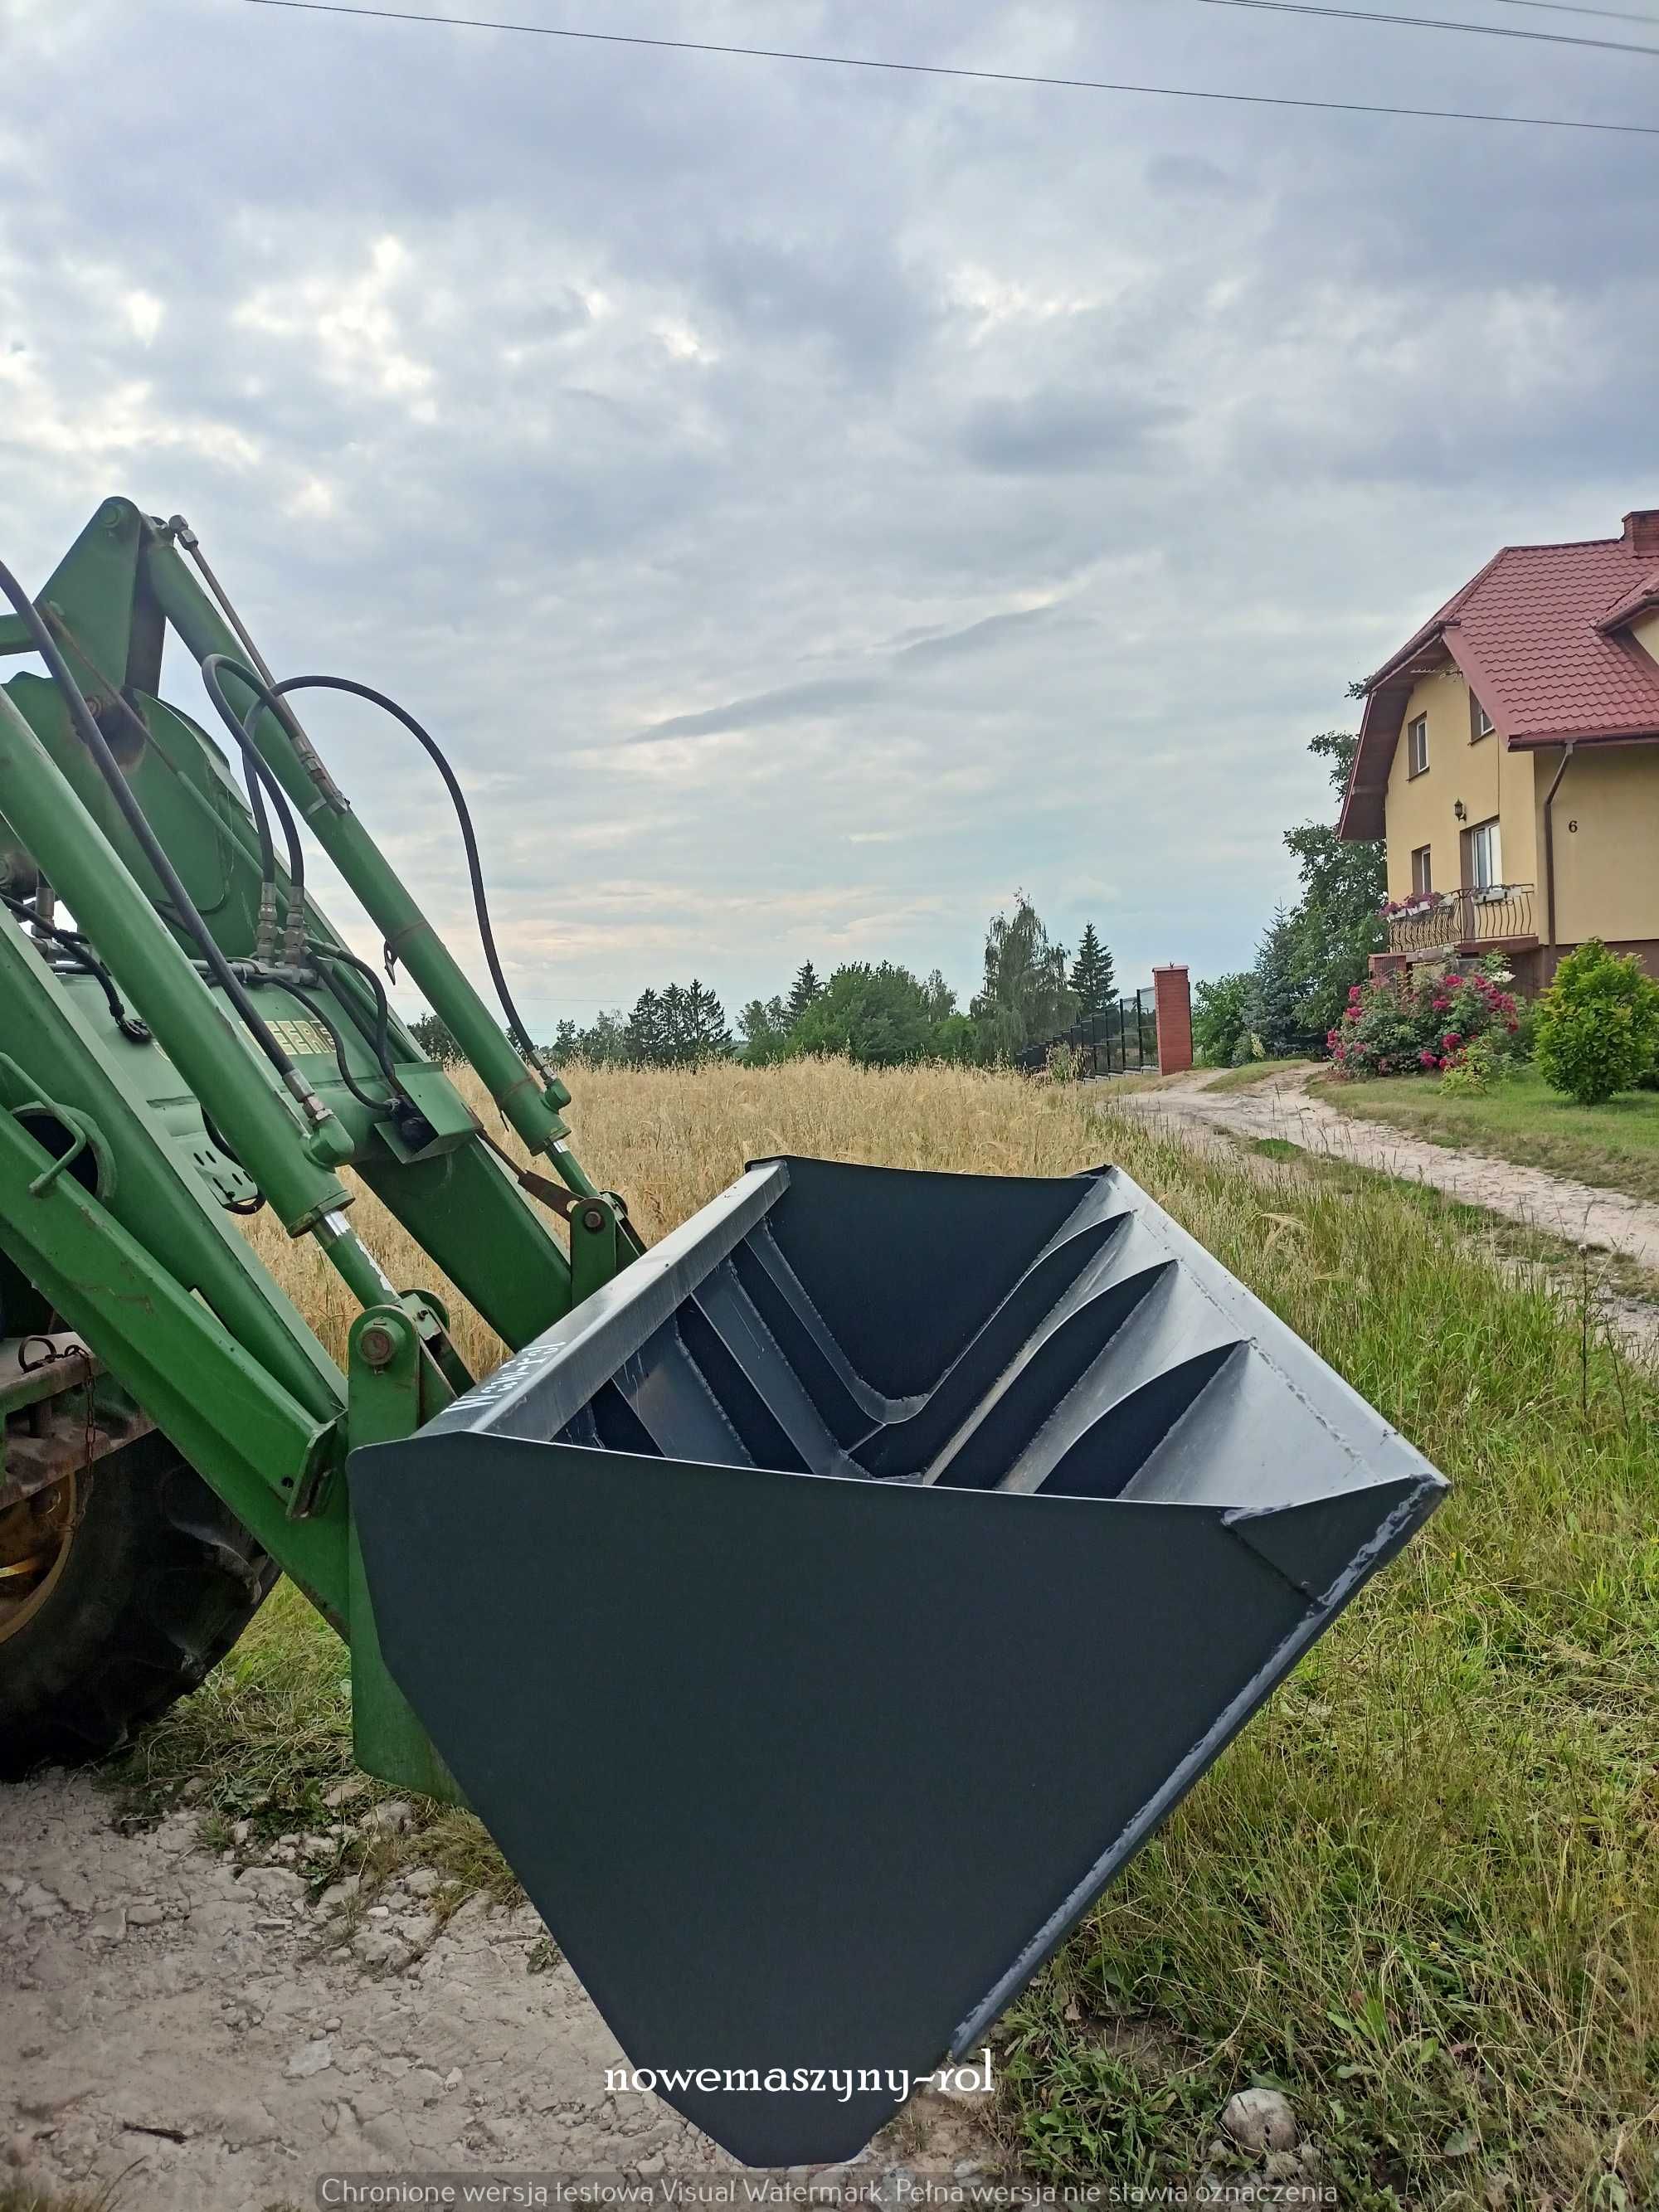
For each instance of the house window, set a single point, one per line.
(1417, 746)
(1486, 856)
(1422, 880)
(1480, 722)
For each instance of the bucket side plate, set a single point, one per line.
(813, 1772)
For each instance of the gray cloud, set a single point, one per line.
(991, 630)
(1188, 174)
(1043, 464)
(1059, 429)
(792, 702)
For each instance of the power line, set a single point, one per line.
(1576, 7)
(950, 70)
(1442, 23)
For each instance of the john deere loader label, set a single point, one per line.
(301, 1038)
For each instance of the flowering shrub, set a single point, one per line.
(1485, 1060)
(1397, 1026)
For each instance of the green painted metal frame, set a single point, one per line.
(130, 1242)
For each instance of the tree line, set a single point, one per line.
(878, 1012)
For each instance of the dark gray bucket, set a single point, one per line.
(823, 1613)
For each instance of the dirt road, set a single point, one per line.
(201, 2033)
(1283, 1107)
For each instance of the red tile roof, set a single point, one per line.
(1641, 599)
(1537, 635)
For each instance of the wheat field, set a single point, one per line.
(669, 1139)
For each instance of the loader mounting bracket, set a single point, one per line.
(394, 1387)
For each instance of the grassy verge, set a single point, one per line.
(1421, 1893)
(1583, 1275)
(1615, 1146)
(1252, 1072)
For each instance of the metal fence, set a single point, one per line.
(1119, 1039)
(1441, 920)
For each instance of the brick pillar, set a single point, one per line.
(1173, 1001)
(1387, 964)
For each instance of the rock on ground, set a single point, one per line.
(1261, 2120)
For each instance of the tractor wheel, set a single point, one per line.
(119, 1587)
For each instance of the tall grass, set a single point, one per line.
(671, 1140)
(1421, 1893)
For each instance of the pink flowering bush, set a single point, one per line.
(1398, 1024)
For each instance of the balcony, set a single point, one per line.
(1462, 921)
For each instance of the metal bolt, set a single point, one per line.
(378, 1345)
(593, 1220)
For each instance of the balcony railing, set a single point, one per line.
(1444, 919)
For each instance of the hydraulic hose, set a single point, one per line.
(380, 1107)
(260, 781)
(254, 765)
(380, 1035)
(272, 695)
(154, 852)
(79, 955)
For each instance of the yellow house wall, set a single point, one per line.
(1606, 869)
(1646, 632)
(1489, 780)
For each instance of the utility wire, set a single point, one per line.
(1442, 23)
(949, 70)
(1576, 7)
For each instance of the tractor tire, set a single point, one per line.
(151, 1581)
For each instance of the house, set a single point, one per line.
(1510, 756)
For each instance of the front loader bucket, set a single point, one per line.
(824, 1612)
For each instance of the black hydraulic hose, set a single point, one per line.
(325, 1022)
(380, 1035)
(149, 844)
(378, 1106)
(516, 1029)
(255, 768)
(245, 1207)
(79, 954)
(273, 693)
(258, 777)
(256, 803)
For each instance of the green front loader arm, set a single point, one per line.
(128, 1140)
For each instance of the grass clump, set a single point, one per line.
(1614, 1145)
(1252, 1072)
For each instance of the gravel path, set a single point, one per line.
(203, 2034)
(1283, 1107)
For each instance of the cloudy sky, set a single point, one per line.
(812, 503)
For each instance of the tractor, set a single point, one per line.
(818, 1606)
